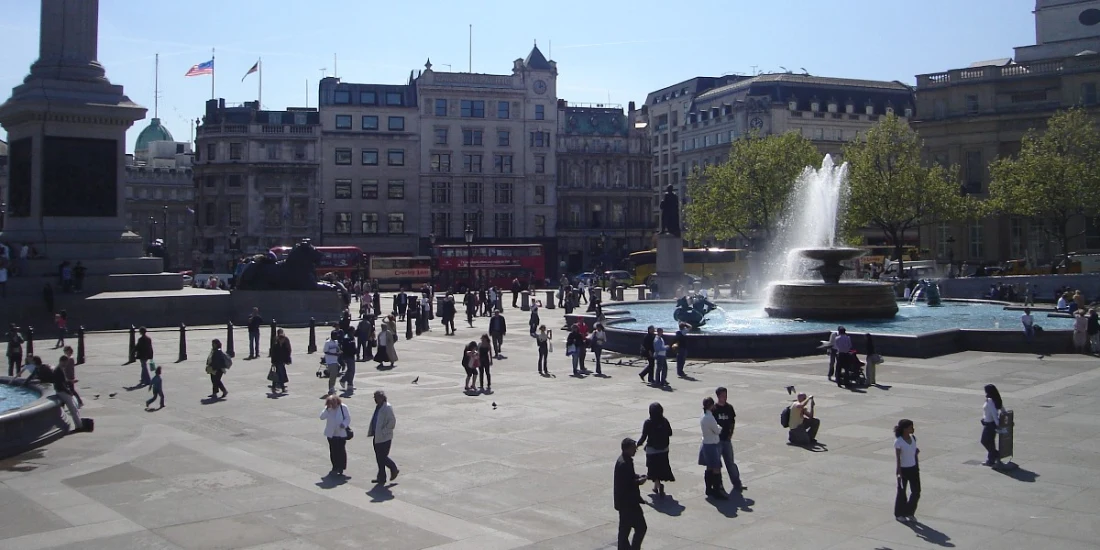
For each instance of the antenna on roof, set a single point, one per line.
(156, 86)
(804, 71)
(754, 73)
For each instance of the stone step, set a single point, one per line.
(52, 267)
(33, 286)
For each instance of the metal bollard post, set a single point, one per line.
(271, 344)
(80, 345)
(133, 345)
(183, 343)
(312, 336)
(408, 327)
(229, 340)
(28, 334)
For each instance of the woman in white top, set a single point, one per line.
(337, 419)
(991, 422)
(710, 451)
(908, 473)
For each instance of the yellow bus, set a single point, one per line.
(720, 265)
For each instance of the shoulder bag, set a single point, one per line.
(347, 429)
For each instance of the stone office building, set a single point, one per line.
(971, 116)
(257, 177)
(370, 151)
(160, 194)
(487, 154)
(604, 190)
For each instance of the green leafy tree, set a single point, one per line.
(748, 194)
(891, 190)
(1055, 179)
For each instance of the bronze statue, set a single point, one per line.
(296, 272)
(670, 213)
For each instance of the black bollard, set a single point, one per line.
(80, 345)
(133, 345)
(229, 340)
(408, 327)
(312, 336)
(28, 335)
(183, 343)
(271, 345)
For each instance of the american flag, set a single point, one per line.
(206, 67)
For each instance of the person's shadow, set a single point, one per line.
(928, 534)
(734, 504)
(1013, 470)
(331, 481)
(381, 493)
(210, 400)
(667, 505)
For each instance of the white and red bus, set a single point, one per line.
(345, 261)
(490, 265)
(393, 272)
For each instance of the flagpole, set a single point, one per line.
(212, 73)
(260, 94)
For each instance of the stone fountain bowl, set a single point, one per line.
(32, 425)
(839, 254)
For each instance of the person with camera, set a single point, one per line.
(803, 424)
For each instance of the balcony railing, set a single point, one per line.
(1023, 70)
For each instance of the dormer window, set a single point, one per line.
(850, 107)
(908, 112)
(832, 106)
(889, 109)
(870, 109)
(792, 104)
(815, 105)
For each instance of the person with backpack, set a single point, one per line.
(798, 418)
(216, 365)
(347, 357)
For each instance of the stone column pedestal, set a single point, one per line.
(670, 264)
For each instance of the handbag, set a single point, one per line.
(570, 349)
(271, 373)
(347, 429)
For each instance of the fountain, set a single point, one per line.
(29, 417)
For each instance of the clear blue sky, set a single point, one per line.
(620, 48)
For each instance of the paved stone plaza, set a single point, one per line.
(536, 470)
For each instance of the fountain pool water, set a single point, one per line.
(15, 397)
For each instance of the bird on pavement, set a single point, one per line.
(112, 394)
(415, 380)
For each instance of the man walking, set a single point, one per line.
(471, 306)
(382, 424)
(347, 358)
(254, 324)
(727, 419)
(628, 499)
(516, 287)
(497, 328)
(143, 352)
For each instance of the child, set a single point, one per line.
(158, 391)
(62, 320)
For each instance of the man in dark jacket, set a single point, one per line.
(143, 352)
(471, 306)
(516, 287)
(628, 500)
(347, 357)
(447, 312)
(497, 328)
(647, 352)
(254, 324)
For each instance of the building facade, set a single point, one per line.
(257, 181)
(604, 186)
(971, 116)
(370, 166)
(160, 199)
(487, 154)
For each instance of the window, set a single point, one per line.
(819, 133)
(395, 222)
(300, 151)
(441, 162)
(977, 245)
(503, 138)
(440, 136)
(274, 151)
(473, 109)
(540, 139)
(540, 164)
(943, 232)
(540, 225)
(939, 109)
(471, 164)
(395, 190)
(971, 104)
(235, 150)
(1088, 93)
(367, 98)
(974, 172)
(441, 107)
(368, 189)
(343, 156)
(368, 223)
(441, 224)
(471, 192)
(369, 157)
(233, 180)
(274, 118)
(1016, 243)
(502, 109)
(473, 221)
(211, 182)
(540, 112)
(471, 137)
(395, 157)
(211, 216)
(502, 164)
(394, 98)
(396, 124)
(343, 223)
(504, 193)
(343, 189)
(236, 214)
(441, 192)
(370, 122)
(540, 194)
(502, 224)
(343, 122)
(341, 97)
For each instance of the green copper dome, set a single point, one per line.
(153, 132)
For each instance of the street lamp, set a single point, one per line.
(152, 231)
(165, 226)
(431, 260)
(3, 214)
(469, 234)
(321, 222)
(950, 255)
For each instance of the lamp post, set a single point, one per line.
(950, 255)
(152, 232)
(469, 235)
(431, 260)
(3, 214)
(321, 222)
(165, 226)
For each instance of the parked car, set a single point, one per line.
(617, 277)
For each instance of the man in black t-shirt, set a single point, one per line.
(254, 324)
(727, 418)
(628, 500)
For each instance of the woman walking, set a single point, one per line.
(660, 351)
(386, 350)
(533, 322)
(216, 365)
(543, 340)
(337, 419)
(991, 423)
(62, 321)
(908, 473)
(484, 362)
(1080, 331)
(280, 358)
(656, 432)
(470, 361)
(574, 343)
(598, 339)
(710, 451)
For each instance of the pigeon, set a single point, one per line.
(112, 394)
(415, 380)
(790, 390)
(494, 404)
(96, 396)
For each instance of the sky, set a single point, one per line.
(607, 51)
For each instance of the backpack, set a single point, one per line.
(785, 417)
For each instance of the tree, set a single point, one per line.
(892, 191)
(747, 195)
(1055, 179)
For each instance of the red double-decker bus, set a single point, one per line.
(345, 261)
(489, 265)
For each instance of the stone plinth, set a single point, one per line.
(846, 300)
(670, 264)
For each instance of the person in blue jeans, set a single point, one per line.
(679, 345)
(254, 324)
(157, 386)
(660, 353)
(727, 419)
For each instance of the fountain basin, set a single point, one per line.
(841, 301)
(29, 417)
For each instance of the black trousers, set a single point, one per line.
(648, 370)
(909, 477)
(485, 374)
(382, 456)
(338, 453)
(216, 382)
(13, 364)
(253, 343)
(631, 520)
(989, 441)
(498, 340)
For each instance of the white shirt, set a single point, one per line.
(711, 429)
(990, 413)
(843, 343)
(1027, 320)
(336, 420)
(1062, 303)
(908, 451)
(332, 352)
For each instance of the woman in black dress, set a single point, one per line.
(485, 361)
(470, 360)
(656, 432)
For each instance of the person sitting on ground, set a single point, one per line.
(803, 425)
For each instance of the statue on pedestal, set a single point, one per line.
(670, 213)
